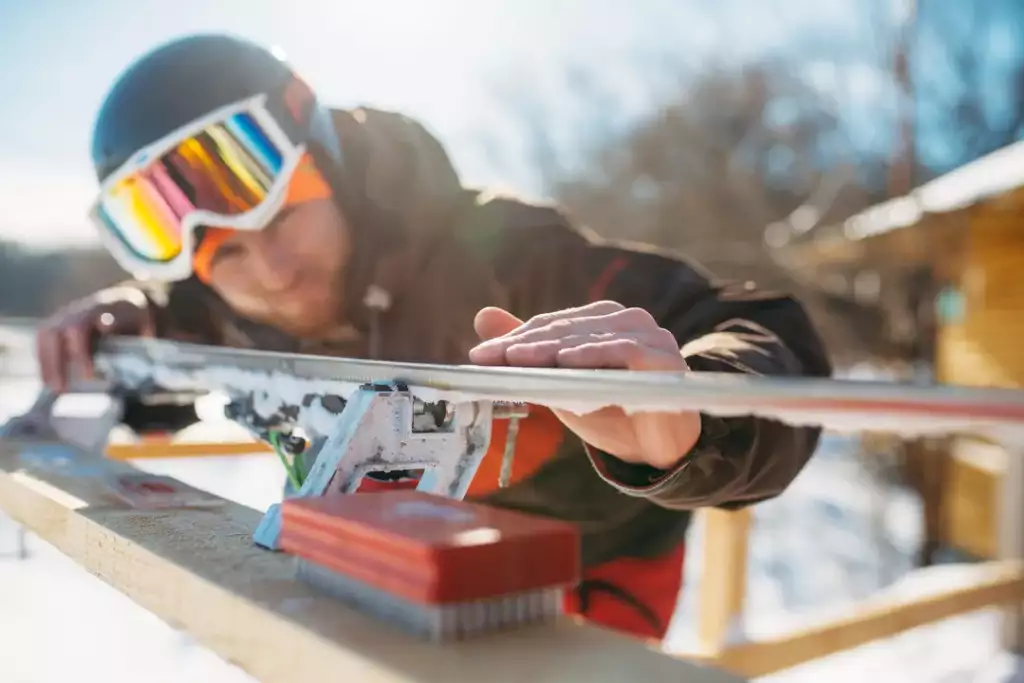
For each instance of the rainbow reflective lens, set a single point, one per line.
(216, 172)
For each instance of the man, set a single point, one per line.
(253, 217)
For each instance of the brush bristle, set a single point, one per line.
(438, 568)
(445, 622)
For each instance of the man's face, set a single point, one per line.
(289, 274)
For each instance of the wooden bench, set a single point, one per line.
(198, 570)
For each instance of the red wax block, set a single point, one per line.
(429, 549)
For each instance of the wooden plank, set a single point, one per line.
(999, 583)
(723, 580)
(198, 570)
(972, 481)
(183, 449)
(1011, 536)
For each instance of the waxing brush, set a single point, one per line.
(434, 567)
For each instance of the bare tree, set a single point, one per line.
(726, 151)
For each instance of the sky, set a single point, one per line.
(436, 60)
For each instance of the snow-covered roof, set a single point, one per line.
(990, 176)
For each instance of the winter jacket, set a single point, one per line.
(442, 251)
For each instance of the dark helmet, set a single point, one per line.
(183, 80)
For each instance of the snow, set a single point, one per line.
(836, 537)
(988, 177)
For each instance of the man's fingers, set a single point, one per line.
(148, 326)
(544, 352)
(124, 317)
(598, 308)
(593, 350)
(48, 352)
(494, 322)
(622, 352)
(626, 320)
(78, 348)
(64, 345)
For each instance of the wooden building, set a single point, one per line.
(947, 263)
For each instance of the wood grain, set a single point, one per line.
(198, 571)
(884, 616)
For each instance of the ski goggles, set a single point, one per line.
(229, 171)
(306, 184)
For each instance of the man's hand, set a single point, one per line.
(600, 335)
(65, 342)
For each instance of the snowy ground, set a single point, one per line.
(815, 548)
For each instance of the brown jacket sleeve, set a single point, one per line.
(182, 311)
(719, 327)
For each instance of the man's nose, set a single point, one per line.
(276, 266)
